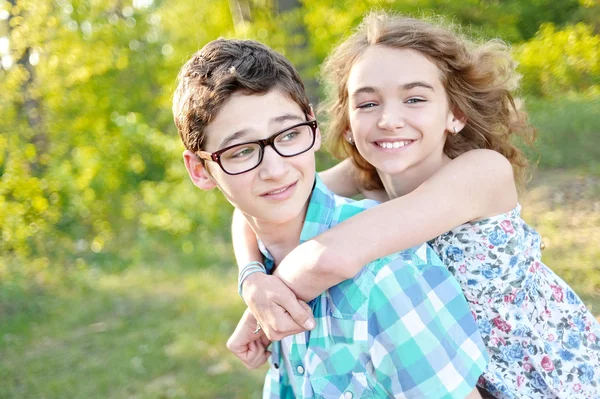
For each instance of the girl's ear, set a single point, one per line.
(349, 137)
(456, 121)
(199, 174)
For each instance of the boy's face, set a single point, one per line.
(276, 191)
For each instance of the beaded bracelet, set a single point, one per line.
(250, 268)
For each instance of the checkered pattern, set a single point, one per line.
(400, 328)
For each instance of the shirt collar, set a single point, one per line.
(318, 217)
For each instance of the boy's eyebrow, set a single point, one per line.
(232, 137)
(287, 117)
(405, 86)
(241, 133)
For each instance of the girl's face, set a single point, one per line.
(398, 109)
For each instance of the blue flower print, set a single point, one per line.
(519, 298)
(485, 326)
(573, 340)
(531, 286)
(579, 322)
(572, 297)
(538, 381)
(520, 273)
(455, 254)
(471, 281)
(548, 348)
(586, 373)
(490, 273)
(497, 237)
(514, 260)
(565, 355)
(521, 330)
(512, 353)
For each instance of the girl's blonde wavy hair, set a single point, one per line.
(478, 81)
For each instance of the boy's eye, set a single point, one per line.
(242, 152)
(288, 136)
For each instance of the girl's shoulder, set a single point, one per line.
(489, 176)
(505, 233)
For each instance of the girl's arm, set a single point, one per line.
(474, 185)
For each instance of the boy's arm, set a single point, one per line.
(249, 347)
(476, 184)
(245, 246)
(273, 304)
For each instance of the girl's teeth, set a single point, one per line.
(278, 191)
(395, 144)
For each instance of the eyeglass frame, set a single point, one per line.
(269, 141)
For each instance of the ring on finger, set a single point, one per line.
(258, 328)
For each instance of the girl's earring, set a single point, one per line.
(350, 140)
(454, 131)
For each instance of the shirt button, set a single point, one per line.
(276, 366)
(348, 395)
(300, 370)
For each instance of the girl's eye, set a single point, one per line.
(415, 100)
(366, 105)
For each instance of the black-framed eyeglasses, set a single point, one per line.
(244, 157)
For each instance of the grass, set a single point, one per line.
(142, 333)
(568, 133)
(158, 329)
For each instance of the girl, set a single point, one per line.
(426, 119)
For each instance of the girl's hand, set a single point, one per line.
(275, 307)
(249, 347)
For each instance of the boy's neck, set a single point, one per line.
(279, 238)
(408, 180)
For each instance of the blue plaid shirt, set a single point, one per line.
(400, 328)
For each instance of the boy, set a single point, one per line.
(401, 327)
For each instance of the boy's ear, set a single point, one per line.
(311, 113)
(200, 176)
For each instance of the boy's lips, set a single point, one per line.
(282, 192)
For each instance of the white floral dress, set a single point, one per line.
(542, 340)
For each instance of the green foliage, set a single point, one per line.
(570, 61)
(89, 157)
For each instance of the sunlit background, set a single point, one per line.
(116, 277)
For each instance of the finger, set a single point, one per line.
(300, 312)
(280, 324)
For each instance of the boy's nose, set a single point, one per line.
(273, 165)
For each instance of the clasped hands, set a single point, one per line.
(273, 306)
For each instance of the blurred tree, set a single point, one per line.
(90, 166)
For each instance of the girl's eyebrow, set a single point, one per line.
(361, 90)
(412, 85)
(405, 86)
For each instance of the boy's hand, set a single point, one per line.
(249, 347)
(275, 306)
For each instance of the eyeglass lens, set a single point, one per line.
(288, 143)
